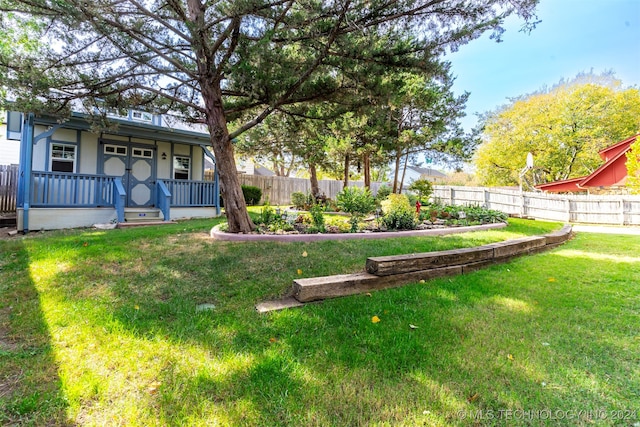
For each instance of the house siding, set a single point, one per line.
(9, 149)
(88, 155)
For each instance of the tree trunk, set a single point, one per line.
(313, 177)
(347, 164)
(396, 172)
(404, 171)
(234, 204)
(366, 165)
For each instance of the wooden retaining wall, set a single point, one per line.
(392, 271)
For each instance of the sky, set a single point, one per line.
(573, 36)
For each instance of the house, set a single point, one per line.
(250, 167)
(148, 168)
(9, 149)
(611, 175)
(414, 173)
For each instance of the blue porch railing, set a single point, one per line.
(55, 189)
(191, 193)
(163, 199)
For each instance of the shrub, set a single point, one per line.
(383, 192)
(300, 200)
(252, 195)
(317, 216)
(423, 188)
(357, 202)
(268, 214)
(398, 213)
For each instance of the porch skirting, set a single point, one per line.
(192, 212)
(59, 218)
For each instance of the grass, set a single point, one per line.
(101, 328)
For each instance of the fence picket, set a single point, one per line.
(8, 188)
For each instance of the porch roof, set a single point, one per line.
(128, 128)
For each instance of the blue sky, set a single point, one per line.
(574, 36)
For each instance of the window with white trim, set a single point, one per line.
(142, 152)
(181, 167)
(63, 158)
(115, 150)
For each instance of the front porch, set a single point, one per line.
(65, 200)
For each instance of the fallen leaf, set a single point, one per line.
(299, 272)
(273, 339)
(510, 357)
(473, 398)
(375, 319)
(304, 254)
(85, 244)
(412, 326)
(137, 307)
(545, 344)
(368, 294)
(552, 279)
(422, 281)
(153, 387)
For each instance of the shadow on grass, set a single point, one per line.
(503, 338)
(30, 388)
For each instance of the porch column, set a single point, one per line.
(25, 169)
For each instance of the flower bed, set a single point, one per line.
(317, 221)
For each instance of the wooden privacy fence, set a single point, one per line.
(8, 188)
(610, 209)
(278, 189)
(607, 209)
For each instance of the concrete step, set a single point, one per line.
(142, 223)
(143, 215)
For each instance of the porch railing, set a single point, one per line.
(56, 189)
(191, 193)
(53, 189)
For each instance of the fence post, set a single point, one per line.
(568, 209)
(451, 196)
(622, 222)
(487, 198)
(521, 204)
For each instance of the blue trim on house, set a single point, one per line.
(26, 161)
(47, 189)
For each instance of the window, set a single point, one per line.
(142, 152)
(181, 167)
(115, 150)
(63, 158)
(141, 116)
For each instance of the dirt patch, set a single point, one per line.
(8, 233)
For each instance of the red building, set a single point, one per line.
(613, 173)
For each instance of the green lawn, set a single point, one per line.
(101, 328)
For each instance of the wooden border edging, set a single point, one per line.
(238, 237)
(392, 271)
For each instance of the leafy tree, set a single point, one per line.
(633, 168)
(564, 127)
(423, 187)
(273, 141)
(216, 61)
